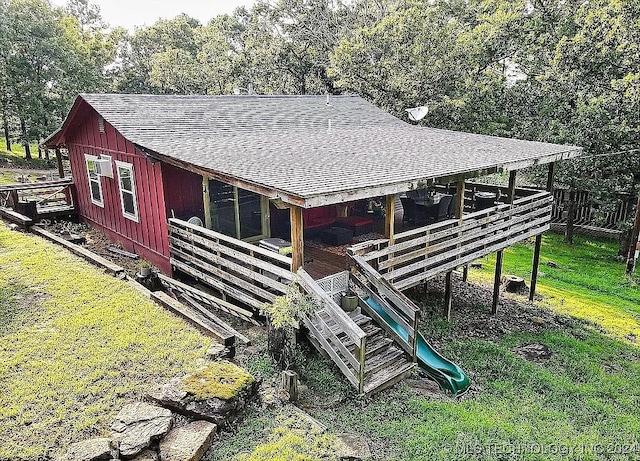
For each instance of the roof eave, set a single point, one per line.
(417, 183)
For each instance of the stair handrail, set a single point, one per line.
(402, 307)
(351, 328)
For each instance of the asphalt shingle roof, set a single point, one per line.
(302, 147)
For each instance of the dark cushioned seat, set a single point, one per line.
(357, 224)
(335, 236)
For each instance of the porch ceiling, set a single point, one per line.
(308, 152)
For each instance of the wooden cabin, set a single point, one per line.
(199, 184)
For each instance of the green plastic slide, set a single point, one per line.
(447, 374)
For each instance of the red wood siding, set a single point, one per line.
(182, 192)
(148, 237)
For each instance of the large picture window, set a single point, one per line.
(127, 190)
(95, 185)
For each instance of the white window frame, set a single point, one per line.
(128, 166)
(92, 158)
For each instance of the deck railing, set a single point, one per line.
(420, 254)
(39, 199)
(322, 324)
(397, 307)
(238, 270)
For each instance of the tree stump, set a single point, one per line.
(290, 384)
(514, 284)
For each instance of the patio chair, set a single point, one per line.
(451, 211)
(427, 214)
(409, 210)
(443, 207)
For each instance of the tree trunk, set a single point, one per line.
(46, 155)
(631, 255)
(40, 152)
(25, 140)
(623, 243)
(568, 234)
(5, 127)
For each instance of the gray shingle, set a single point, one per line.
(284, 142)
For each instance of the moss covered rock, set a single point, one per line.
(218, 393)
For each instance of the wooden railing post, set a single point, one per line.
(416, 332)
(361, 354)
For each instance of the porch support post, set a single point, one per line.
(538, 244)
(460, 199)
(206, 200)
(512, 186)
(390, 217)
(496, 282)
(59, 163)
(297, 239)
(459, 213)
(447, 296)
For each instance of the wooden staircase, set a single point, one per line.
(363, 351)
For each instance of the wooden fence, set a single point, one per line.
(420, 254)
(587, 211)
(238, 270)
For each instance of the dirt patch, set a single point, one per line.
(471, 313)
(534, 352)
(94, 241)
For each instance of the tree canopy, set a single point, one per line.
(559, 71)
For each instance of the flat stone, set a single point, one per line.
(352, 447)
(147, 455)
(187, 443)
(92, 450)
(138, 424)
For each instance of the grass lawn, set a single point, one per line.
(17, 159)
(588, 283)
(580, 404)
(75, 345)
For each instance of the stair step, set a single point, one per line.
(361, 320)
(387, 377)
(374, 345)
(383, 360)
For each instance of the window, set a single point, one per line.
(95, 186)
(127, 190)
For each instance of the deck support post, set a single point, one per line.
(390, 217)
(297, 239)
(447, 296)
(206, 200)
(538, 244)
(496, 282)
(465, 273)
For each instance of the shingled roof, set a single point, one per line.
(306, 150)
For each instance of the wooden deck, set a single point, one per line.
(321, 263)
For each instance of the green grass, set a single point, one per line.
(589, 282)
(75, 346)
(580, 404)
(585, 395)
(16, 157)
